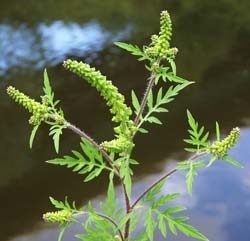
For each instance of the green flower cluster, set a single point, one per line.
(220, 148)
(159, 47)
(39, 111)
(61, 217)
(114, 100)
(124, 133)
(107, 90)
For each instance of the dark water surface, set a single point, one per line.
(213, 39)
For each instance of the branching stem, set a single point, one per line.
(82, 134)
(152, 186)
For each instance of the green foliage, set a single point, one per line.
(134, 50)
(158, 216)
(109, 221)
(156, 102)
(198, 137)
(192, 170)
(89, 161)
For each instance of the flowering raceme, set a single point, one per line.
(220, 148)
(39, 111)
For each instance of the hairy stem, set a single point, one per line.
(94, 143)
(152, 186)
(144, 99)
(128, 208)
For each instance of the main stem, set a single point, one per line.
(145, 98)
(128, 209)
(110, 161)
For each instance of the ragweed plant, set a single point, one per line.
(110, 221)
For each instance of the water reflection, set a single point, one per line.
(22, 47)
(218, 207)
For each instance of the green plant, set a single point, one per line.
(109, 221)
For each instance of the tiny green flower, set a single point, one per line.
(39, 111)
(159, 47)
(61, 217)
(119, 145)
(107, 90)
(115, 100)
(220, 148)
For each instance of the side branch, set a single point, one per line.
(109, 219)
(85, 136)
(152, 186)
(113, 222)
(192, 158)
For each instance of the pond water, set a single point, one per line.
(213, 39)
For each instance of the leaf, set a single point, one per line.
(173, 66)
(150, 225)
(63, 205)
(159, 96)
(126, 173)
(217, 131)
(32, 135)
(197, 135)
(89, 162)
(135, 102)
(133, 49)
(47, 88)
(142, 130)
(191, 120)
(161, 100)
(150, 100)
(149, 197)
(190, 178)
(211, 161)
(162, 226)
(190, 231)
(179, 223)
(155, 120)
(174, 78)
(232, 161)
(174, 210)
(162, 200)
(56, 132)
